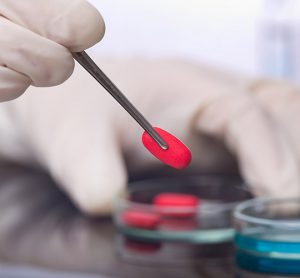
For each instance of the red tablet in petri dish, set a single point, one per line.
(176, 204)
(141, 219)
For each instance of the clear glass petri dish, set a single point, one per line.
(267, 236)
(210, 222)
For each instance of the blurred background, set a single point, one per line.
(257, 37)
(252, 37)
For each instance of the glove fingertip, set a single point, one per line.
(78, 28)
(98, 199)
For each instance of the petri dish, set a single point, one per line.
(267, 236)
(210, 222)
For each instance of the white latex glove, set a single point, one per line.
(88, 143)
(36, 40)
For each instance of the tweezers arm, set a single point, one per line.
(85, 61)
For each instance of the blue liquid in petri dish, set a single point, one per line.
(269, 250)
(255, 263)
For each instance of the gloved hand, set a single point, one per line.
(89, 144)
(37, 38)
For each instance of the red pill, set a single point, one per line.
(176, 204)
(177, 155)
(141, 219)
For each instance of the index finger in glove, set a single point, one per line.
(282, 101)
(28, 58)
(74, 24)
(265, 158)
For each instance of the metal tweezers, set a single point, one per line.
(86, 61)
